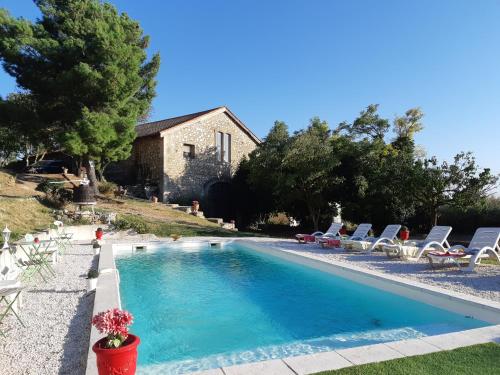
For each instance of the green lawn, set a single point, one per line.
(481, 359)
(165, 229)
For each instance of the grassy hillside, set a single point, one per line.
(158, 219)
(19, 210)
(23, 212)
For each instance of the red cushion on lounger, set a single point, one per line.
(331, 242)
(447, 254)
(305, 237)
(309, 238)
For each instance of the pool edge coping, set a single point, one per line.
(107, 296)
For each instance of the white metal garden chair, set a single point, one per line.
(9, 295)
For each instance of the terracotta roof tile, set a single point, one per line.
(155, 127)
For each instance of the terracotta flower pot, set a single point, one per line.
(122, 360)
(195, 206)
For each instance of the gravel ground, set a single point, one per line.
(484, 282)
(57, 317)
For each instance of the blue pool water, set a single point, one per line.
(200, 308)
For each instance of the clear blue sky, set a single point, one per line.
(292, 60)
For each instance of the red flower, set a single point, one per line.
(113, 323)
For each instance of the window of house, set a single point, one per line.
(226, 148)
(188, 151)
(223, 146)
(218, 145)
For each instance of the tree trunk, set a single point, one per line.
(26, 147)
(89, 167)
(100, 168)
(434, 218)
(315, 217)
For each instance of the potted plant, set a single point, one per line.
(195, 206)
(404, 234)
(99, 233)
(92, 276)
(117, 352)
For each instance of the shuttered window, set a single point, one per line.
(218, 145)
(226, 147)
(223, 146)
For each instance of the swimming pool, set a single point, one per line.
(197, 308)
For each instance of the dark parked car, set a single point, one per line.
(46, 166)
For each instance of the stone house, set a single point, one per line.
(187, 156)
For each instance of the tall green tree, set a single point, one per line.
(459, 184)
(368, 124)
(86, 66)
(23, 131)
(308, 179)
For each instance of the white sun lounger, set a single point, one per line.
(332, 231)
(361, 232)
(484, 243)
(386, 237)
(436, 239)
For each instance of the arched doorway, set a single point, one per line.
(218, 200)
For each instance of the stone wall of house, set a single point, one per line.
(188, 178)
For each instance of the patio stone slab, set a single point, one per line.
(456, 340)
(311, 363)
(215, 371)
(491, 333)
(369, 353)
(413, 347)
(272, 367)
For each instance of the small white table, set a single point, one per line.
(355, 245)
(401, 250)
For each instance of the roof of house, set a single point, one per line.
(156, 127)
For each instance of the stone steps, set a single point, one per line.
(186, 209)
(172, 205)
(216, 220)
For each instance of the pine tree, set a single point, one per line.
(86, 66)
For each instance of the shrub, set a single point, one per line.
(45, 186)
(279, 219)
(131, 222)
(467, 221)
(107, 188)
(55, 194)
